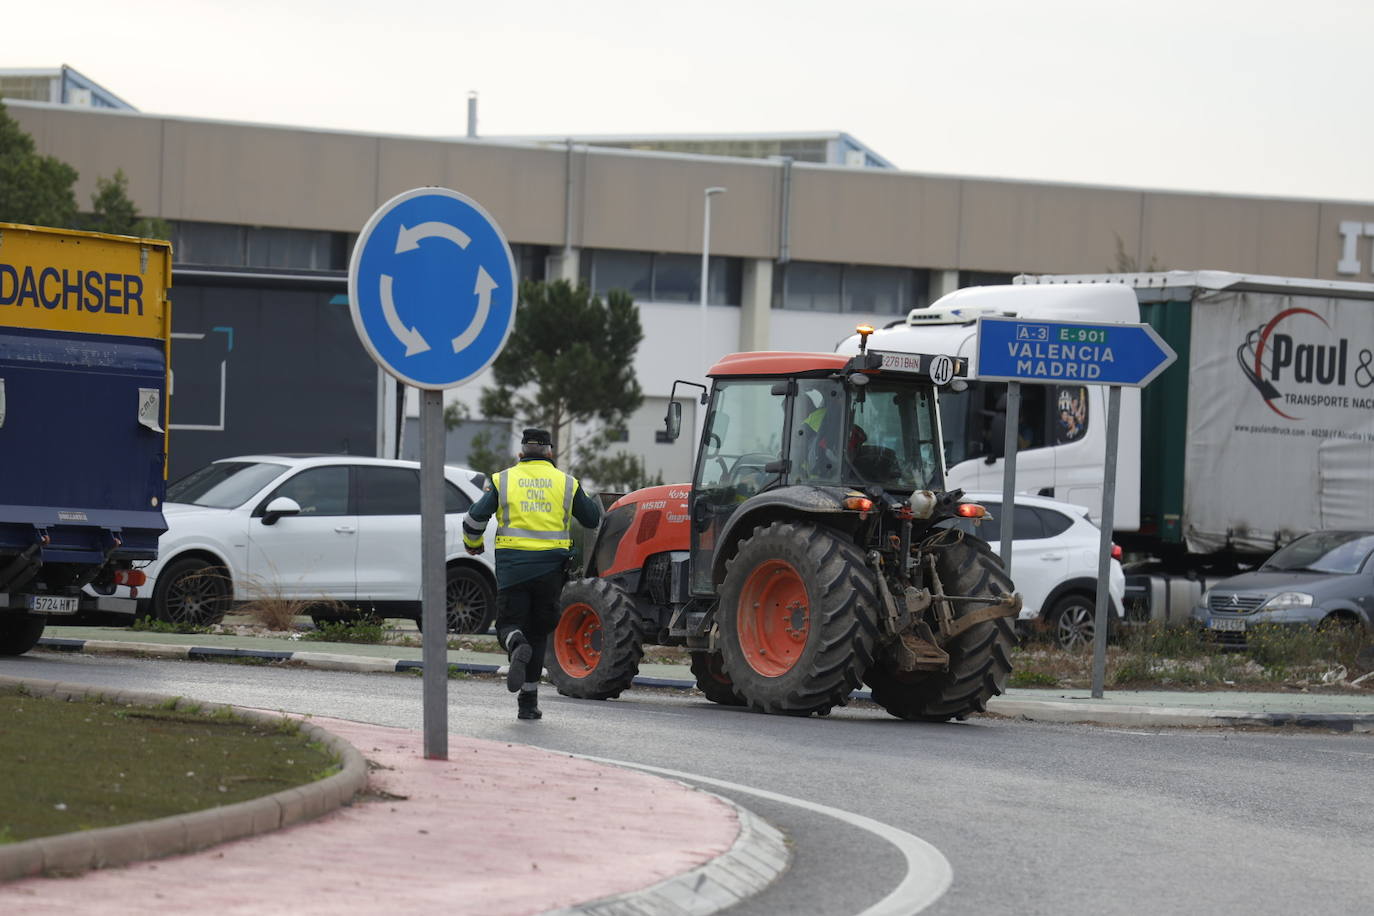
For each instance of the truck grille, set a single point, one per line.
(1236, 604)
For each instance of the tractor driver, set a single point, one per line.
(823, 440)
(534, 504)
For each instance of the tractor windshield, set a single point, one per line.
(883, 434)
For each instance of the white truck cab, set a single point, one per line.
(1062, 427)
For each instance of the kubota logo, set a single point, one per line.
(1312, 373)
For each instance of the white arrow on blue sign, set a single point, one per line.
(432, 288)
(1050, 352)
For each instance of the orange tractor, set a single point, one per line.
(807, 557)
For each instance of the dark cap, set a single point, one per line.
(536, 437)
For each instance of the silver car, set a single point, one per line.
(1322, 578)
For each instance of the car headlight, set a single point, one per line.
(1206, 599)
(1287, 600)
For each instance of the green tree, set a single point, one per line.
(114, 212)
(34, 189)
(487, 451)
(1127, 264)
(618, 472)
(569, 359)
(486, 455)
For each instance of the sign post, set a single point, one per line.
(1017, 350)
(432, 289)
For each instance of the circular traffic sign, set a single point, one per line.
(432, 288)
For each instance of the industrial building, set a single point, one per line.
(263, 218)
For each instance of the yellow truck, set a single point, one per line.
(85, 331)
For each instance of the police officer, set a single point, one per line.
(534, 504)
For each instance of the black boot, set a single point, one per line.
(529, 705)
(520, 654)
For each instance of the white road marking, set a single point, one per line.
(928, 872)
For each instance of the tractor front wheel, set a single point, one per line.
(798, 619)
(594, 651)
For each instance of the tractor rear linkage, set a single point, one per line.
(918, 648)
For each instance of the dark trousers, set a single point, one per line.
(532, 608)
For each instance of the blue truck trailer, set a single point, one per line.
(85, 328)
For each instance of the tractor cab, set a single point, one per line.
(811, 432)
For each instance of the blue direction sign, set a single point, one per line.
(1025, 350)
(432, 287)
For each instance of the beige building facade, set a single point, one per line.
(805, 251)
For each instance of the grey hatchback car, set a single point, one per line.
(1321, 578)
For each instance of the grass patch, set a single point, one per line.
(84, 764)
(1021, 677)
(355, 631)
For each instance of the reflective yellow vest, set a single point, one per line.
(534, 510)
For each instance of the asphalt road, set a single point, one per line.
(1031, 817)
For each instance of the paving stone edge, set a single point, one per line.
(756, 859)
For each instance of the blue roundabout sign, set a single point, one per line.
(432, 288)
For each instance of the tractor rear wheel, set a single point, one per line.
(713, 681)
(979, 658)
(798, 619)
(594, 651)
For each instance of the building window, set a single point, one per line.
(291, 248)
(530, 261)
(662, 277)
(223, 245)
(983, 278)
(816, 287)
(209, 243)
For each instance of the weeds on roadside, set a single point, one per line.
(271, 607)
(360, 631)
(153, 625)
(1272, 655)
(1031, 678)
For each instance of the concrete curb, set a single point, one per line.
(1038, 710)
(180, 833)
(1175, 717)
(757, 858)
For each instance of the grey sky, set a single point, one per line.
(1236, 96)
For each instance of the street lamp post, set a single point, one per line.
(706, 259)
(705, 278)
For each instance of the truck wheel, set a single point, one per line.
(594, 651)
(192, 591)
(979, 658)
(1072, 622)
(798, 619)
(471, 601)
(713, 681)
(19, 633)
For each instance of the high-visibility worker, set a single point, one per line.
(534, 504)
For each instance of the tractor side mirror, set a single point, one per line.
(673, 421)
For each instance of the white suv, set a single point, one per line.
(337, 527)
(1054, 552)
